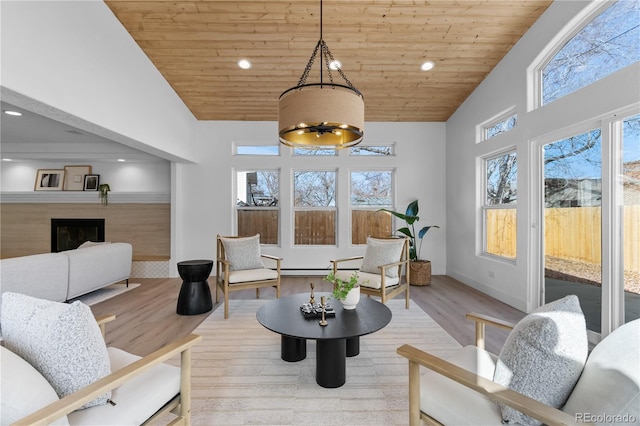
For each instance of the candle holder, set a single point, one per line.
(312, 299)
(323, 322)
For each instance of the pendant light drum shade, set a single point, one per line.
(321, 115)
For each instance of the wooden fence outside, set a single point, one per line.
(317, 227)
(570, 233)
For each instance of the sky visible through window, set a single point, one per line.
(605, 45)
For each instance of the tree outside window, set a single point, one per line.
(370, 191)
(314, 202)
(499, 205)
(257, 204)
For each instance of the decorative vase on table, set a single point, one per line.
(353, 297)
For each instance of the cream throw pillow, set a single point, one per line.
(243, 253)
(382, 252)
(62, 341)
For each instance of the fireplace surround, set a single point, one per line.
(68, 234)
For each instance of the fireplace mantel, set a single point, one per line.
(83, 197)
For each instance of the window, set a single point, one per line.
(370, 191)
(257, 150)
(499, 207)
(314, 151)
(371, 150)
(606, 44)
(257, 204)
(500, 124)
(314, 203)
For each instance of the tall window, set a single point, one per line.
(314, 203)
(257, 204)
(370, 191)
(608, 43)
(631, 216)
(500, 205)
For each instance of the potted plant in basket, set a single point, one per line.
(348, 292)
(420, 268)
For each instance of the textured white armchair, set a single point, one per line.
(462, 390)
(35, 382)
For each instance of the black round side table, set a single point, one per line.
(195, 294)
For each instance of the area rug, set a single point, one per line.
(239, 378)
(105, 293)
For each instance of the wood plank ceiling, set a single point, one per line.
(196, 44)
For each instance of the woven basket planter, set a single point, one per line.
(420, 273)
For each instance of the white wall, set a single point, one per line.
(149, 177)
(73, 61)
(505, 87)
(205, 200)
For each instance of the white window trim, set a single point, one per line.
(481, 129)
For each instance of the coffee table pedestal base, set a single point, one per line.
(331, 362)
(293, 349)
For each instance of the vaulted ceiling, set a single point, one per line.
(381, 44)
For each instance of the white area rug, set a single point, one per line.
(239, 378)
(105, 293)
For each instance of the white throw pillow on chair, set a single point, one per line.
(243, 253)
(382, 252)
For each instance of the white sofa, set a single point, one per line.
(68, 274)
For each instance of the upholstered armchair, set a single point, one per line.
(542, 375)
(380, 269)
(239, 266)
(56, 369)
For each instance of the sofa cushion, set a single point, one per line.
(62, 341)
(24, 390)
(438, 392)
(610, 382)
(243, 253)
(382, 252)
(137, 399)
(544, 355)
(249, 275)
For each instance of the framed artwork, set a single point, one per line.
(74, 177)
(91, 182)
(49, 180)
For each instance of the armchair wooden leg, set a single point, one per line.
(226, 303)
(406, 303)
(257, 293)
(185, 386)
(414, 394)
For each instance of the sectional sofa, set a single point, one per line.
(68, 274)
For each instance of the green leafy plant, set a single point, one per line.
(103, 193)
(411, 217)
(341, 287)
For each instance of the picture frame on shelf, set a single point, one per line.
(91, 182)
(74, 177)
(49, 180)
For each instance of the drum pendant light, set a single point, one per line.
(321, 115)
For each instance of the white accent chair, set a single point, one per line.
(243, 269)
(144, 387)
(380, 269)
(460, 389)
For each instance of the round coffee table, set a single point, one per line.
(195, 294)
(334, 342)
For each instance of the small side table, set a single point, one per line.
(195, 294)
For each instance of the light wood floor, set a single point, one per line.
(147, 319)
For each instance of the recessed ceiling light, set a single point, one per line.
(428, 65)
(122, 160)
(335, 65)
(245, 64)
(14, 113)
(7, 159)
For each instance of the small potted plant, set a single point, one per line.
(348, 292)
(420, 268)
(103, 193)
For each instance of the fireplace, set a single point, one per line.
(68, 234)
